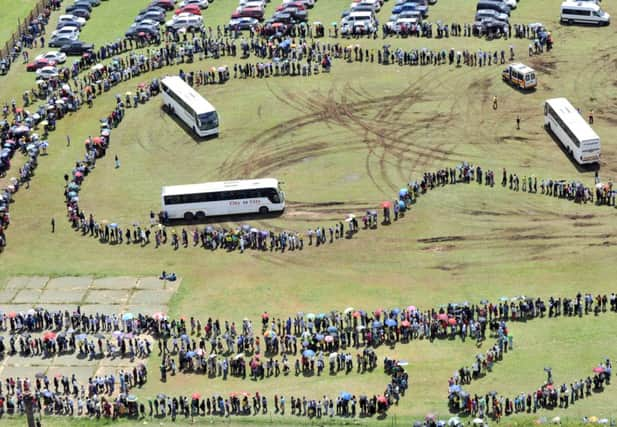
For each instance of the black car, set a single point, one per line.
(79, 5)
(81, 13)
(155, 16)
(94, 3)
(152, 8)
(77, 48)
(60, 41)
(149, 31)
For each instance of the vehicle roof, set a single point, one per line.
(188, 94)
(219, 186)
(578, 125)
(522, 68)
(581, 5)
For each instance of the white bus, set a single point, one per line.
(567, 124)
(222, 198)
(184, 101)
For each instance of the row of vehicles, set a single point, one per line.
(493, 15)
(187, 17)
(66, 38)
(251, 12)
(407, 14)
(361, 18)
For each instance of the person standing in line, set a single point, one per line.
(518, 122)
(53, 225)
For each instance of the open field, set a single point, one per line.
(343, 142)
(13, 12)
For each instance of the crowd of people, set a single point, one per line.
(222, 348)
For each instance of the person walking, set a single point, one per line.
(518, 122)
(53, 225)
(590, 117)
(494, 102)
(68, 141)
(117, 161)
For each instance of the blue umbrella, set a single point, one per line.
(190, 354)
(332, 329)
(319, 337)
(321, 315)
(346, 395)
(455, 388)
(377, 324)
(128, 316)
(395, 311)
(46, 393)
(113, 225)
(390, 322)
(401, 205)
(184, 337)
(403, 192)
(308, 353)
(81, 337)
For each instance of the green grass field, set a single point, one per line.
(13, 12)
(354, 137)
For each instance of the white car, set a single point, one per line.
(70, 32)
(47, 72)
(148, 22)
(185, 21)
(307, 3)
(511, 3)
(203, 4)
(54, 55)
(72, 18)
(254, 3)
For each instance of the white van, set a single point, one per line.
(585, 12)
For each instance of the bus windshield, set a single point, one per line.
(208, 120)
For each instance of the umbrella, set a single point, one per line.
(49, 335)
(81, 337)
(310, 316)
(196, 396)
(504, 299)
(128, 316)
(412, 308)
(403, 192)
(47, 393)
(190, 354)
(131, 398)
(382, 399)
(405, 323)
(395, 311)
(348, 310)
(308, 353)
(319, 337)
(386, 205)
(377, 324)
(598, 369)
(452, 321)
(270, 334)
(443, 317)
(390, 322)
(158, 315)
(117, 334)
(31, 312)
(329, 338)
(332, 329)
(455, 388)
(345, 395)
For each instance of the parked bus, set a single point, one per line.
(520, 75)
(223, 198)
(188, 105)
(567, 124)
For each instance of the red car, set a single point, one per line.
(39, 63)
(249, 12)
(189, 8)
(297, 4)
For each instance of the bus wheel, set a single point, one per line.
(263, 210)
(200, 215)
(188, 216)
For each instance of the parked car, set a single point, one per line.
(165, 4)
(78, 5)
(248, 12)
(39, 63)
(81, 13)
(146, 23)
(492, 14)
(71, 18)
(151, 14)
(71, 32)
(47, 72)
(142, 30)
(203, 4)
(77, 48)
(243, 23)
(296, 4)
(53, 55)
(191, 8)
(59, 41)
(185, 21)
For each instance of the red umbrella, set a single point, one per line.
(97, 140)
(79, 174)
(196, 396)
(598, 369)
(405, 323)
(452, 321)
(49, 335)
(12, 314)
(386, 204)
(443, 317)
(382, 399)
(158, 316)
(356, 314)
